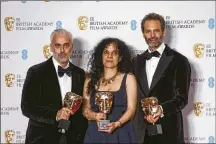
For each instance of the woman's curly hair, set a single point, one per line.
(95, 64)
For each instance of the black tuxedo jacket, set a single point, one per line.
(170, 84)
(41, 100)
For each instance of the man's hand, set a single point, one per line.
(154, 118)
(64, 113)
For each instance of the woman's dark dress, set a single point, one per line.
(124, 134)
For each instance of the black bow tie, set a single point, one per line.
(62, 71)
(153, 54)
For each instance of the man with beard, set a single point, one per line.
(44, 89)
(165, 74)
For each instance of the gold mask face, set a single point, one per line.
(9, 23)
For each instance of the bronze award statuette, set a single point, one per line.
(73, 102)
(150, 107)
(104, 100)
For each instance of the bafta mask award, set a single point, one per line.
(73, 102)
(150, 107)
(104, 100)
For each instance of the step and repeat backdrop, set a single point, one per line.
(25, 37)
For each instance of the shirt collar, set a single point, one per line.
(160, 49)
(56, 64)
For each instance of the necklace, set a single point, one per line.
(108, 81)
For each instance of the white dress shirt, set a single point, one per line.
(151, 64)
(65, 82)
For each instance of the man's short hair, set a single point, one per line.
(153, 16)
(60, 31)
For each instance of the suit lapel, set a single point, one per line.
(75, 79)
(142, 77)
(162, 65)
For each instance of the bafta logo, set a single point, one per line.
(83, 22)
(198, 108)
(46, 51)
(198, 50)
(9, 134)
(9, 23)
(9, 79)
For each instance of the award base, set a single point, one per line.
(154, 129)
(64, 124)
(102, 124)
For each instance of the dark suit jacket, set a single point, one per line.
(41, 100)
(170, 84)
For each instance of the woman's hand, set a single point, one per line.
(111, 127)
(100, 116)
